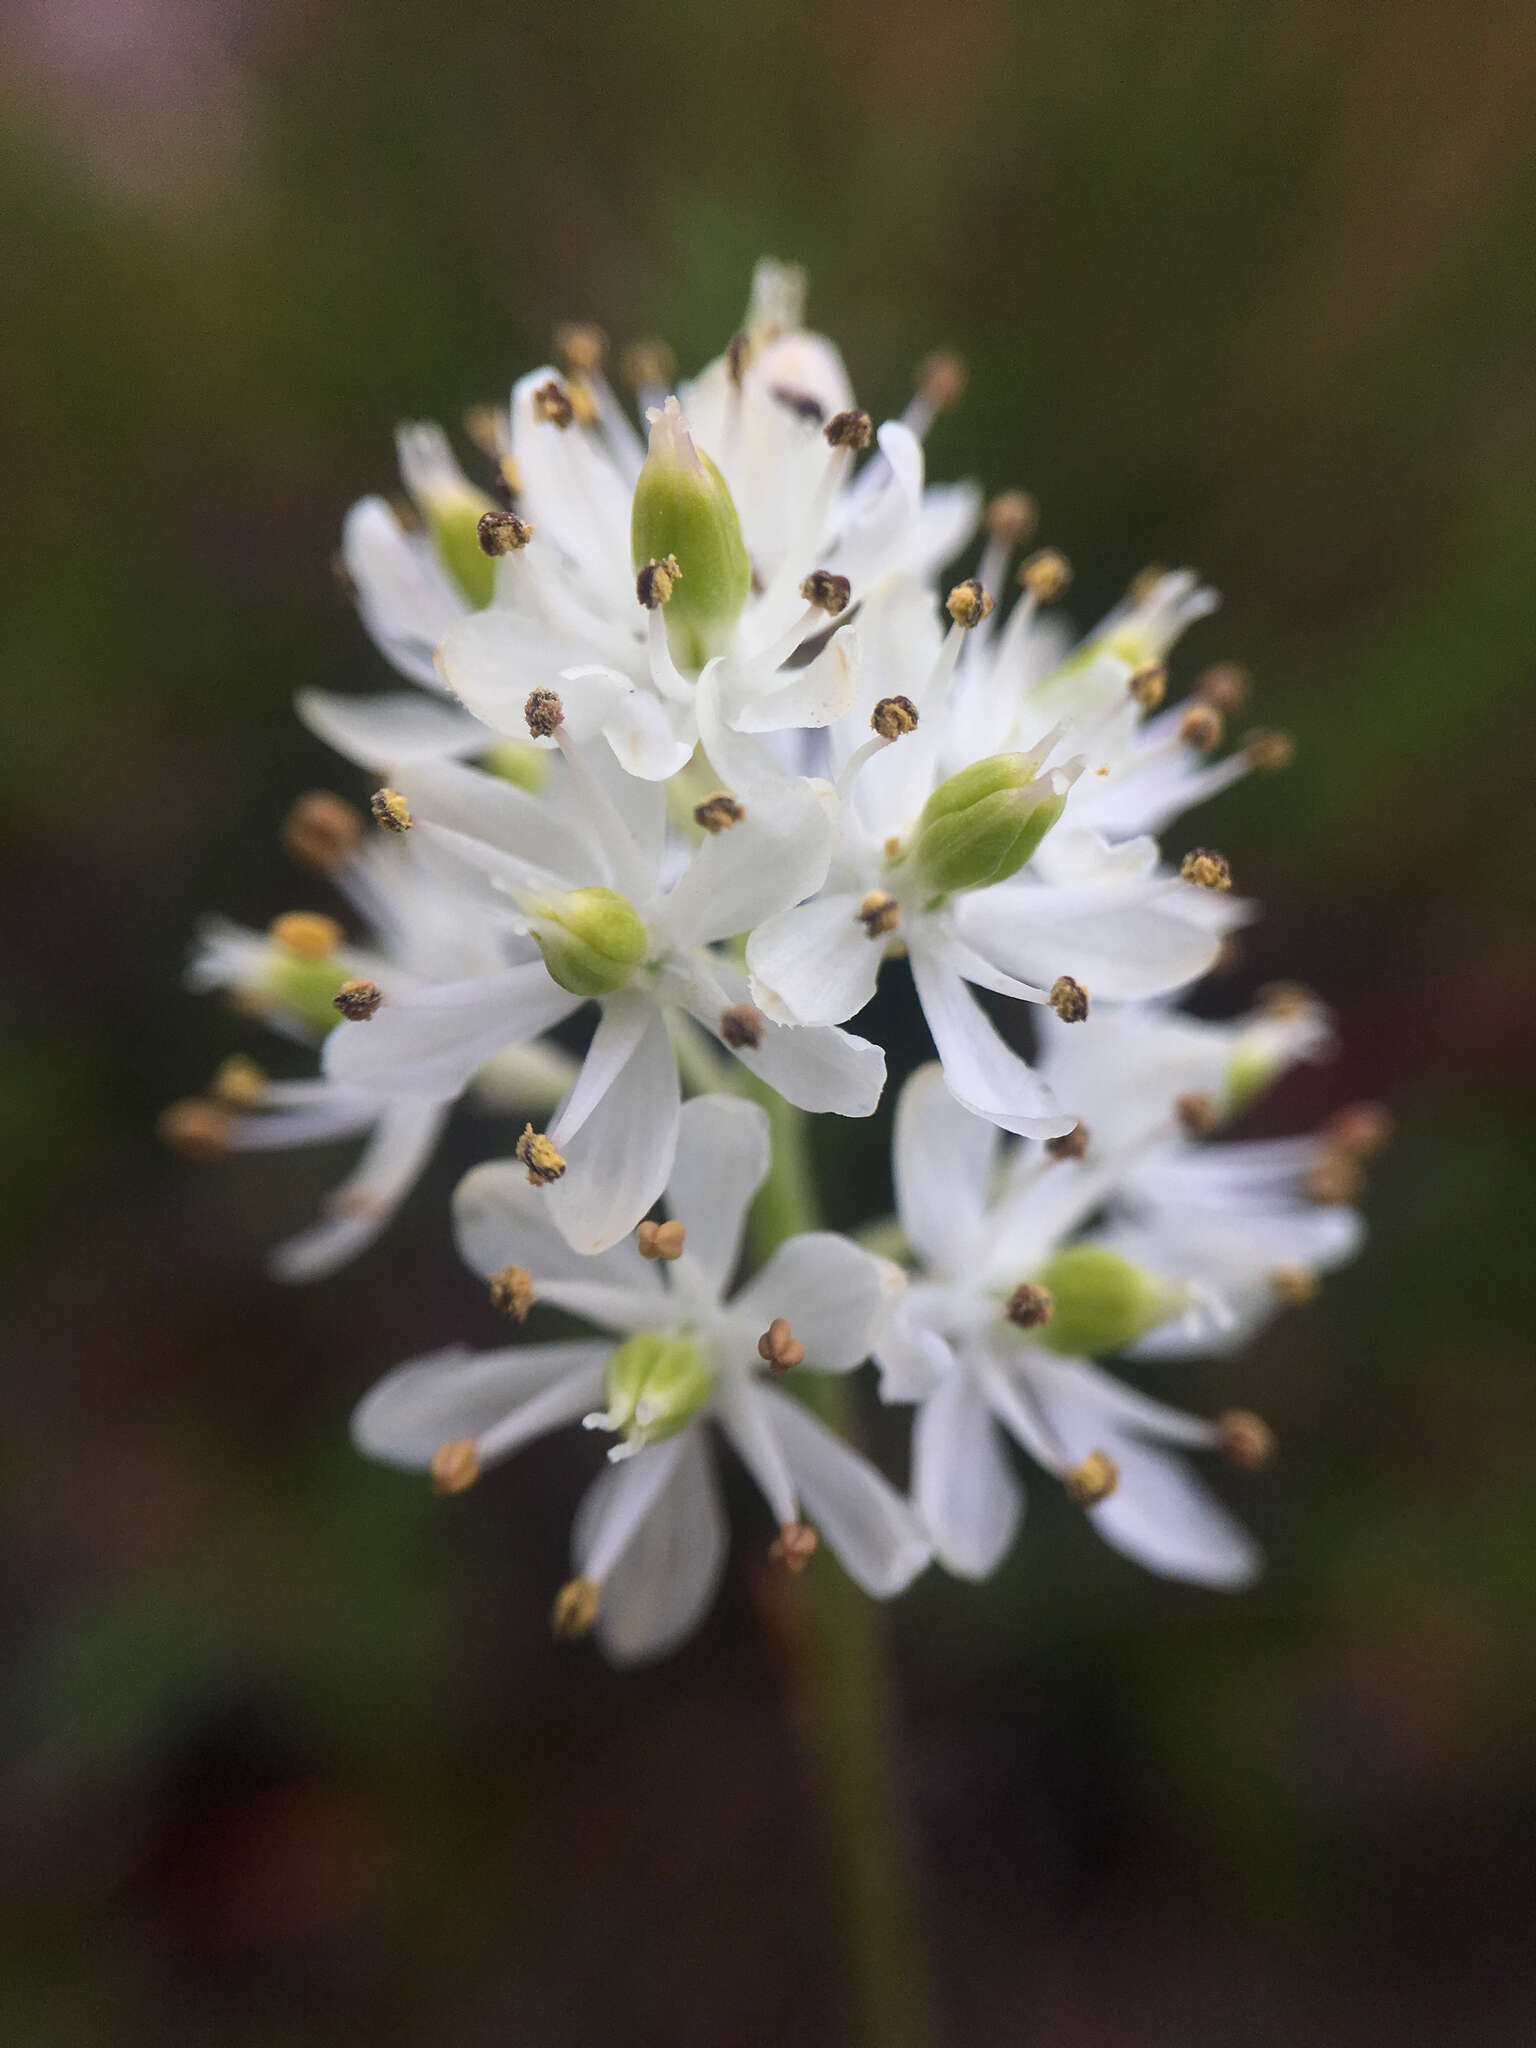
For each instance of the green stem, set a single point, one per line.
(845, 1694)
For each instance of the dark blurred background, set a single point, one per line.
(291, 1757)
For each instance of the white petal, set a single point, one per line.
(366, 1201)
(873, 1529)
(492, 659)
(531, 830)
(1122, 944)
(776, 855)
(942, 1158)
(620, 1028)
(814, 1066)
(912, 1358)
(405, 599)
(418, 1407)
(430, 1043)
(815, 963)
(834, 1294)
(501, 1220)
(641, 736)
(621, 1159)
(814, 696)
(391, 731)
(979, 1069)
(965, 1488)
(722, 1161)
(663, 1510)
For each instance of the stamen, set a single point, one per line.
(878, 913)
(1362, 1130)
(941, 381)
(1224, 686)
(1336, 1178)
(358, 1000)
(661, 1240)
(893, 716)
(648, 365)
(853, 429)
(826, 592)
(779, 1348)
(581, 347)
(1094, 1480)
(322, 831)
(1292, 1286)
(1072, 1145)
(239, 1083)
(718, 813)
(552, 405)
(308, 934)
(1269, 752)
(543, 713)
(390, 810)
(1198, 1114)
(454, 1466)
(741, 1026)
(543, 1162)
(1246, 1439)
(655, 583)
(1045, 574)
(1285, 1000)
(511, 1292)
(1029, 1306)
(502, 533)
(794, 1546)
(575, 1609)
(968, 604)
(1148, 684)
(195, 1128)
(1069, 999)
(1206, 868)
(1012, 517)
(1202, 726)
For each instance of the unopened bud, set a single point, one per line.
(1029, 1306)
(1046, 574)
(893, 716)
(1101, 1301)
(454, 1466)
(1246, 1439)
(1094, 1480)
(983, 824)
(502, 533)
(511, 1292)
(390, 810)
(322, 831)
(1069, 999)
(794, 1547)
(969, 603)
(828, 593)
(683, 518)
(358, 1000)
(661, 1240)
(592, 939)
(1206, 868)
(779, 1348)
(196, 1129)
(543, 1162)
(575, 1609)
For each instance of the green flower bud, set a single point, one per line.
(983, 824)
(451, 509)
(656, 1383)
(1100, 1302)
(592, 939)
(302, 970)
(683, 510)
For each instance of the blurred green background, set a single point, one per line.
(290, 1758)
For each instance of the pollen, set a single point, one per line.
(543, 1162)
(828, 593)
(1069, 999)
(454, 1466)
(1012, 517)
(741, 1026)
(1245, 1439)
(879, 914)
(358, 1000)
(852, 429)
(1224, 686)
(646, 364)
(552, 405)
(968, 604)
(1029, 1306)
(543, 712)
(779, 1348)
(794, 1546)
(307, 934)
(1335, 1178)
(502, 533)
(1148, 684)
(581, 346)
(195, 1128)
(1202, 726)
(893, 716)
(1045, 574)
(575, 1609)
(941, 378)
(390, 810)
(1292, 1286)
(661, 1240)
(1198, 1114)
(322, 831)
(239, 1083)
(1269, 752)
(718, 813)
(657, 580)
(1362, 1129)
(1071, 1145)
(511, 1292)
(1094, 1480)
(1206, 868)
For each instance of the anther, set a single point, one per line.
(1362, 1129)
(655, 583)
(488, 427)
(1206, 868)
(828, 593)
(1269, 752)
(1198, 1114)
(309, 934)
(511, 1292)
(552, 404)
(196, 1129)
(1094, 1480)
(1225, 686)
(893, 716)
(968, 604)
(852, 429)
(741, 1026)
(322, 830)
(794, 1546)
(1202, 726)
(543, 712)
(879, 914)
(502, 533)
(1335, 1178)
(581, 347)
(543, 1162)
(1072, 1145)
(779, 1348)
(390, 810)
(1012, 517)
(718, 813)
(1069, 999)
(1142, 587)
(1045, 574)
(453, 1466)
(575, 1609)
(583, 404)
(738, 353)
(1148, 684)
(647, 364)
(1029, 1306)
(941, 379)
(661, 1240)
(1292, 1286)
(1285, 1000)
(1246, 1439)
(239, 1083)
(358, 1000)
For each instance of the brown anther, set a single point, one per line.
(195, 1128)
(390, 810)
(358, 1000)
(1269, 752)
(502, 533)
(828, 593)
(1095, 1479)
(1071, 1145)
(1012, 517)
(543, 712)
(779, 1348)
(322, 830)
(738, 353)
(543, 1162)
(646, 364)
(1198, 1114)
(1284, 1000)
(308, 934)
(1069, 999)
(1045, 574)
(580, 346)
(1206, 868)
(853, 429)
(660, 1240)
(718, 813)
(552, 405)
(794, 1546)
(1292, 1286)
(575, 1609)
(1246, 1439)
(1029, 1306)
(511, 1292)
(879, 914)
(1335, 1178)
(239, 1083)
(1362, 1129)
(1202, 726)
(741, 1026)
(968, 604)
(893, 716)
(1224, 686)
(941, 378)
(655, 583)
(1148, 684)
(453, 1466)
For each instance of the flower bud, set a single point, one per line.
(451, 509)
(683, 508)
(592, 939)
(656, 1383)
(983, 824)
(1101, 1302)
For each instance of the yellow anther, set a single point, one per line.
(1269, 752)
(390, 810)
(1012, 517)
(1202, 726)
(358, 1000)
(969, 603)
(1335, 1178)
(1046, 574)
(511, 1292)
(1069, 999)
(502, 533)
(454, 1466)
(581, 346)
(660, 1240)
(1246, 1439)
(307, 934)
(657, 580)
(239, 1083)
(195, 1128)
(543, 1162)
(1285, 1000)
(322, 830)
(647, 364)
(1072, 1145)
(1094, 1480)
(1362, 1129)
(575, 1609)
(779, 1348)
(893, 716)
(941, 378)
(1206, 868)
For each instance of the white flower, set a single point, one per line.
(649, 1540)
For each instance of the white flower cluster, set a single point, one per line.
(699, 742)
